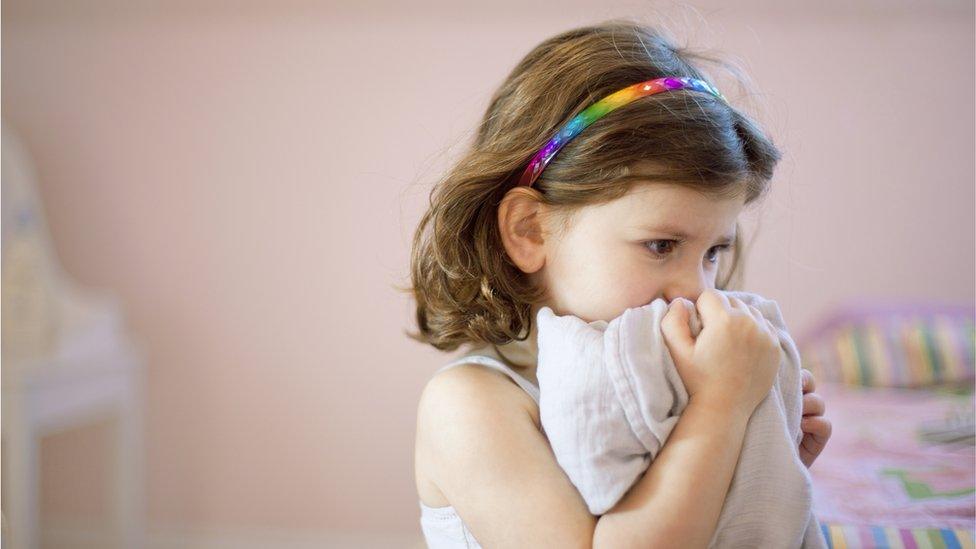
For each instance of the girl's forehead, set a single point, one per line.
(660, 199)
(670, 208)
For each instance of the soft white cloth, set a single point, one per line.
(610, 395)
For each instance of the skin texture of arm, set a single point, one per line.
(678, 500)
(483, 449)
(496, 468)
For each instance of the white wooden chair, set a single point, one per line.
(67, 361)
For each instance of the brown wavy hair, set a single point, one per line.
(466, 288)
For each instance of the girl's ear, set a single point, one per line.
(521, 216)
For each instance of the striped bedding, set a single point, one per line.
(893, 345)
(844, 536)
(900, 468)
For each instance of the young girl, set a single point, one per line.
(640, 202)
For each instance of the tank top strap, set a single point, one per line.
(493, 362)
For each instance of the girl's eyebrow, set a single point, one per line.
(677, 233)
(727, 239)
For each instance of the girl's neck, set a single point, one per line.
(522, 355)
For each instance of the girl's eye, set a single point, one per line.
(718, 249)
(661, 248)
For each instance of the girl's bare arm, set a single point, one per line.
(501, 476)
(490, 460)
(678, 500)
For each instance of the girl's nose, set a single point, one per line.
(689, 286)
(690, 296)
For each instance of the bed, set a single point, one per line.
(899, 468)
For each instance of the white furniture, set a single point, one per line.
(67, 361)
(97, 379)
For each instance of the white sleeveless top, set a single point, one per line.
(442, 526)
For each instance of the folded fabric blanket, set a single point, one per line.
(610, 396)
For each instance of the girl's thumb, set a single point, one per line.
(676, 330)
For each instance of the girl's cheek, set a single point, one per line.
(616, 296)
(631, 286)
(594, 286)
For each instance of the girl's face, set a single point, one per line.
(658, 240)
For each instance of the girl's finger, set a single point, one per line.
(677, 332)
(711, 303)
(808, 382)
(813, 405)
(738, 304)
(817, 428)
(809, 449)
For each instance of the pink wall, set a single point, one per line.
(248, 180)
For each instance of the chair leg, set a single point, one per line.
(21, 482)
(129, 509)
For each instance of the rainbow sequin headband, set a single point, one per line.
(600, 109)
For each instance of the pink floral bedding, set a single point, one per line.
(899, 468)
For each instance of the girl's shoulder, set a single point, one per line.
(457, 401)
(474, 383)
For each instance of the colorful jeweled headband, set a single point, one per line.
(601, 108)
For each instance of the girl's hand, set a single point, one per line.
(816, 428)
(734, 359)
